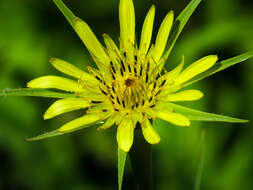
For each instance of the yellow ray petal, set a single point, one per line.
(162, 36)
(186, 95)
(71, 70)
(91, 42)
(173, 73)
(55, 82)
(112, 49)
(79, 123)
(146, 33)
(149, 133)
(110, 121)
(127, 23)
(65, 105)
(174, 118)
(196, 68)
(125, 134)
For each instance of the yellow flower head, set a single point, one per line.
(129, 85)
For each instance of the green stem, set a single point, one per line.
(141, 160)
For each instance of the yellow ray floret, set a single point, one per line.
(80, 123)
(146, 33)
(127, 23)
(125, 134)
(162, 36)
(91, 42)
(196, 68)
(71, 70)
(186, 95)
(65, 105)
(149, 133)
(55, 82)
(173, 118)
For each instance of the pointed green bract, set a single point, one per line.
(45, 135)
(35, 92)
(193, 114)
(65, 11)
(219, 66)
(179, 24)
(121, 166)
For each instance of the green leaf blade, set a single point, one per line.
(35, 92)
(196, 115)
(219, 66)
(121, 166)
(179, 24)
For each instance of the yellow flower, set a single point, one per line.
(129, 85)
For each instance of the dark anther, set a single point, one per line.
(123, 66)
(146, 77)
(163, 82)
(121, 72)
(113, 69)
(152, 106)
(143, 102)
(104, 110)
(96, 102)
(103, 92)
(141, 71)
(116, 109)
(129, 68)
(118, 100)
(132, 107)
(99, 79)
(135, 71)
(112, 97)
(137, 104)
(135, 58)
(148, 66)
(154, 85)
(113, 76)
(113, 89)
(157, 77)
(158, 92)
(123, 102)
(150, 99)
(124, 54)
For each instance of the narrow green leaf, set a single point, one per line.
(179, 24)
(201, 161)
(35, 92)
(203, 116)
(219, 66)
(45, 135)
(65, 11)
(121, 165)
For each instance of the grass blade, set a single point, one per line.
(121, 165)
(35, 92)
(196, 115)
(201, 162)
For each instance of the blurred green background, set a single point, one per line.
(32, 32)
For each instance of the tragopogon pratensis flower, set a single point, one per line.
(129, 85)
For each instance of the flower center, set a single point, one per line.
(129, 82)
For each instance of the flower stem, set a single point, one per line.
(141, 160)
